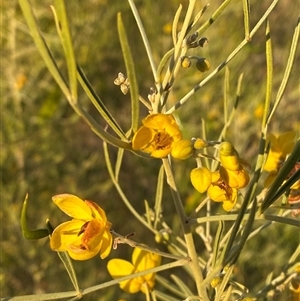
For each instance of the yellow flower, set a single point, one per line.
(87, 234)
(157, 136)
(219, 191)
(280, 147)
(200, 178)
(141, 261)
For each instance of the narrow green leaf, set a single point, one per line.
(119, 163)
(30, 234)
(42, 47)
(169, 286)
(181, 285)
(224, 283)
(236, 251)
(159, 195)
(281, 219)
(269, 85)
(197, 17)
(42, 297)
(214, 16)
(288, 165)
(145, 41)
(217, 240)
(286, 186)
(165, 297)
(97, 102)
(67, 44)
(164, 61)
(226, 94)
(246, 9)
(129, 63)
(148, 213)
(175, 24)
(65, 258)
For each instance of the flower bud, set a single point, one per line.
(185, 62)
(229, 157)
(162, 236)
(215, 282)
(203, 42)
(200, 178)
(203, 64)
(200, 143)
(182, 149)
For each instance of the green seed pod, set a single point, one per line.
(203, 64)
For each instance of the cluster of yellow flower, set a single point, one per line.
(222, 185)
(89, 232)
(160, 136)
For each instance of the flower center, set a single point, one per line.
(162, 140)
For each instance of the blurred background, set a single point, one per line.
(46, 149)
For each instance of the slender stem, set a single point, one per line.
(194, 264)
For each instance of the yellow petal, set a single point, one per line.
(216, 193)
(65, 234)
(235, 179)
(92, 235)
(229, 204)
(132, 286)
(158, 121)
(106, 245)
(119, 268)
(97, 211)
(77, 253)
(143, 260)
(73, 206)
(142, 138)
(287, 138)
(161, 153)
